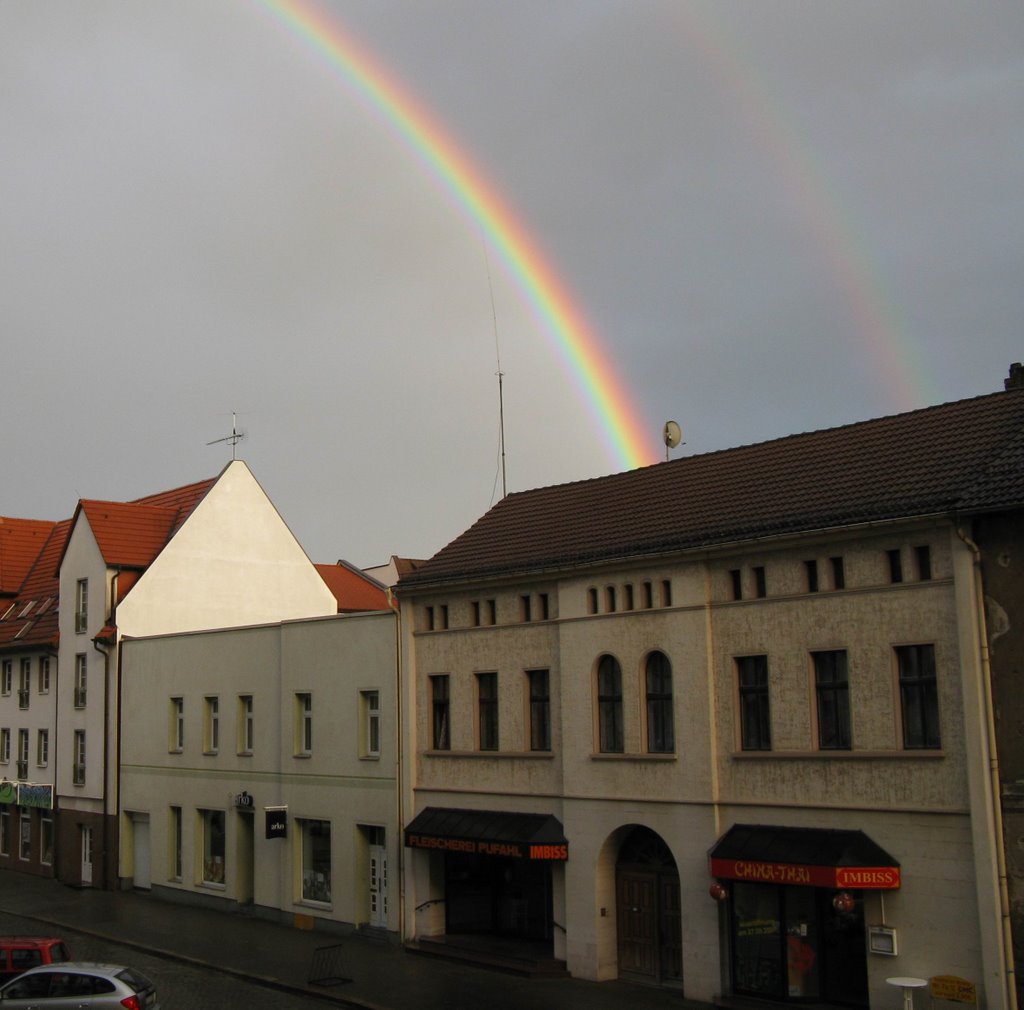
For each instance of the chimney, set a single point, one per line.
(1016, 377)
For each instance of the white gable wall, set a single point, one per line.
(233, 562)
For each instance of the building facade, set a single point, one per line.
(724, 724)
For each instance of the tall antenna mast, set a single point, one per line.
(501, 376)
(234, 438)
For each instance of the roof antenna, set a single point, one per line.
(672, 435)
(234, 438)
(501, 376)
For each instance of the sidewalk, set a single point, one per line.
(383, 976)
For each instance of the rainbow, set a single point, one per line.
(628, 439)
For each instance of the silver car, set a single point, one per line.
(79, 983)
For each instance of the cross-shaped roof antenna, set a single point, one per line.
(234, 438)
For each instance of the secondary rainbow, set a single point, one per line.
(628, 439)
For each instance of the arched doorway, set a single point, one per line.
(650, 939)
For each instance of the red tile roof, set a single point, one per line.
(20, 543)
(353, 590)
(957, 457)
(40, 588)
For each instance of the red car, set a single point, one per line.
(19, 953)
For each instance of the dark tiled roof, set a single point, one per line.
(962, 456)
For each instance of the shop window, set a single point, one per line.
(755, 720)
(540, 709)
(211, 724)
(838, 572)
(303, 724)
(5, 832)
(25, 848)
(660, 720)
(78, 755)
(611, 737)
(895, 559)
(832, 692)
(315, 848)
(174, 838)
(176, 726)
(919, 696)
(487, 701)
(81, 606)
(81, 679)
(212, 824)
(440, 709)
(369, 704)
(46, 840)
(44, 674)
(736, 581)
(923, 558)
(246, 725)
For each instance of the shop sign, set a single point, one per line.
(510, 850)
(8, 792)
(881, 878)
(244, 800)
(277, 822)
(35, 796)
(951, 987)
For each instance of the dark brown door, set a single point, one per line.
(638, 925)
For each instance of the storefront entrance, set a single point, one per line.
(509, 898)
(650, 945)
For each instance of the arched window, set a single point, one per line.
(661, 737)
(609, 705)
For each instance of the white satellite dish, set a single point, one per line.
(672, 434)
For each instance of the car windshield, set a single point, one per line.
(137, 981)
(58, 952)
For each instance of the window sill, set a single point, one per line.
(838, 755)
(633, 756)
(369, 757)
(210, 753)
(303, 755)
(212, 885)
(245, 753)
(544, 755)
(321, 906)
(176, 750)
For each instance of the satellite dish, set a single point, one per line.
(672, 434)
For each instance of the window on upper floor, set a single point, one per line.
(6, 676)
(81, 606)
(474, 609)
(755, 715)
(666, 592)
(832, 694)
(923, 560)
(919, 697)
(43, 748)
(628, 602)
(81, 679)
(525, 610)
(5, 745)
(303, 724)
(895, 559)
(176, 726)
(543, 606)
(838, 572)
(540, 709)
(492, 611)
(44, 674)
(647, 595)
(440, 708)
(25, 683)
(610, 730)
(661, 737)
(23, 754)
(246, 725)
(443, 615)
(487, 709)
(736, 581)
(811, 575)
(610, 599)
(592, 607)
(78, 758)
(760, 582)
(369, 706)
(428, 618)
(211, 724)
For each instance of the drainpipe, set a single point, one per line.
(102, 649)
(400, 761)
(1010, 980)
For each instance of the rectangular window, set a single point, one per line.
(43, 748)
(524, 608)
(81, 606)
(428, 618)
(370, 704)
(923, 557)
(838, 573)
(6, 676)
(647, 595)
(439, 705)
(811, 572)
(303, 724)
(211, 724)
(627, 596)
(492, 612)
(213, 846)
(316, 860)
(736, 578)
(176, 726)
(540, 709)
(832, 693)
(443, 611)
(46, 840)
(5, 833)
(475, 610)
(611, 736)
(5, 745)
(591, 605)
(22, 753)
(609, 599)
(895, 558)
(755, 720)
(44, 674)
(660, 718)
(25, 849)
(174, 849)
(666, 592)
(81, 679)
(487, 700)
(919, 696)
(760, 582)
(78, 756)
(25, 684)
(246, 725)
(544, 606)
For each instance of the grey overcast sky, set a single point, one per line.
(776, 215)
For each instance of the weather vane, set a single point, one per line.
(234, 438)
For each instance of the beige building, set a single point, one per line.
(258, 768)
(724, 724)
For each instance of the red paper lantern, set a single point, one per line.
(844, 902)
(718, 891)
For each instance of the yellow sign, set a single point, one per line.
(950, 987)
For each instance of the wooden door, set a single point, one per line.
(637, 900)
